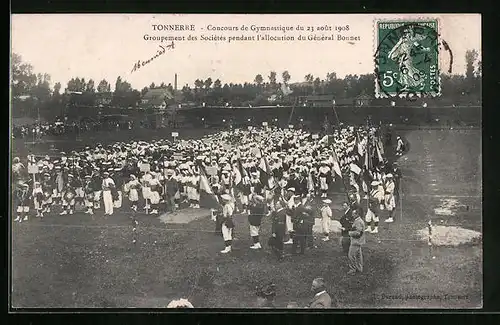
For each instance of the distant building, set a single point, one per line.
(339, 102)
(103, 99)
(363, 100)
(273, 98)
(157, 98)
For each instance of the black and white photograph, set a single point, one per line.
(327, 161)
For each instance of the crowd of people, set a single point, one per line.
(259, 171)
(63, 128)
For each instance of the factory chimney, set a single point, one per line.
(175, 82)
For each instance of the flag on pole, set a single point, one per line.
(381, 145)
(355, 168)
(204, 184)
(326, 140)
(266, 174)
(379, 154)
(335, 160)
(367, 158)
(310, 183)
(361, 148)
(240, 174)
(207, 196)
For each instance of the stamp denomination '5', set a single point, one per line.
(407, 59)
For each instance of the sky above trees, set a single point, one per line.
(101, 47)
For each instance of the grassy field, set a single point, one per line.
(85, 261)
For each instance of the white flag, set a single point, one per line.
(355, 169)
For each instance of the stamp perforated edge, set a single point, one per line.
(375, 40)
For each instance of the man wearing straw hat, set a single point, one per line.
(227, 222)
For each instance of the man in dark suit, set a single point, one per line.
(346, 223)
(257, 211)
(301, 228)
(309, 219)
(321, 298)
(278, 229)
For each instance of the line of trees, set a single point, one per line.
(30, 88)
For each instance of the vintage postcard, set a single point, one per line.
(246, 161)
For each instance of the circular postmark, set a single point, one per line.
(407, 60)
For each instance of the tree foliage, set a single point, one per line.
(25, 83)
(103, 86)
(23, 80)
(259, 79)
(272, 77)
(286, 77)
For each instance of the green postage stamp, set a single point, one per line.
(407, 58)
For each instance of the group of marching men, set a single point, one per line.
(257, 171)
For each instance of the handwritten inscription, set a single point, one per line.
(139, 64)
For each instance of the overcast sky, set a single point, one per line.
(107, 46)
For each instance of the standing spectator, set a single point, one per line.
(396, 172)
(400, 146)
(346, 223)
(309, 220)
(357, 241)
